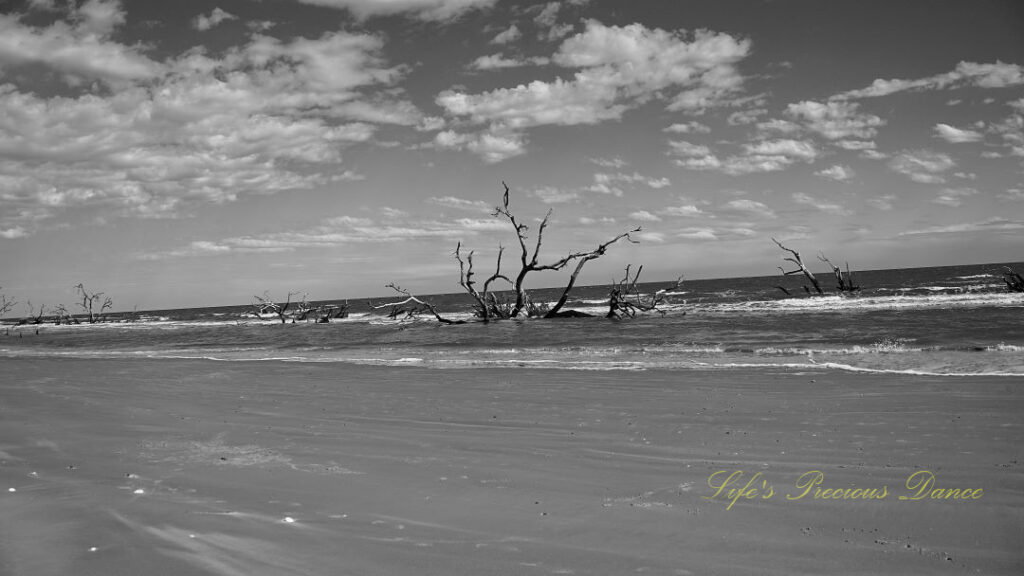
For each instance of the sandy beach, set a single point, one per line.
(185, 467)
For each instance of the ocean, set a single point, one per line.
(958, 321)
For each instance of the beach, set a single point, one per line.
(190, 466)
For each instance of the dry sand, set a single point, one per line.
(184, 467)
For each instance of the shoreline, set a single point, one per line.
(195, 467)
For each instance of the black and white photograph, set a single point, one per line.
(474, 287)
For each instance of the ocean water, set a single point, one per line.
(958, 321)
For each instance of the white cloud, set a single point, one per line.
(836, 172)
(217, 16)
(498, 62)
(954, 197)
(989, 226)
(1013, 194)
(610, 162)
(423, 9)
(748, 206)
(552, 195)
(808, 200)
(956, 135)
(266, 116)
(883, 203)
(685, 210)
(923, 166)
(693, 127)
(511, 34)
(619, 68)
(760, 156)
(81, 49)
(744, 117)
(492, 146)
(461, 203)
(996, 75)
(644, 216)
(835, 120)
(12, 233)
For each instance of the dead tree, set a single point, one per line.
(801, 268)
(90, 301)
(1014, 281)
(265, 304)
(410, 307)
(6, 305)
(33, 318)
(625, 299)
(62, 316)
(487, 305)
(529, 261)
(843, 284)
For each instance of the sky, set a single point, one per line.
(191, 153)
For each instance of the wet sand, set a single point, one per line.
(189, 467)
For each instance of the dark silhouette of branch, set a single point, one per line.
(626, 299)
(801, 268)
(411, 307)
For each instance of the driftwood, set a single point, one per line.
(1014, 281)
(33, 318)
(265, 304)
(410, 307)
(6, 305)
(843, 283)
(801, 269)
(89, 302)
(626, 299)
(490, 306)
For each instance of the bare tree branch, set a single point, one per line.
(844, 284)
(800, 264)
(626, 299)
(403, 307)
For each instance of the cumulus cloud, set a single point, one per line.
(644, 216)
(263, 117)
(954, 197)
(752, 207)
(836, 172)
(499, 61)
(461, 203)
(821, 206)
(493, 146)
(759, 156)
(989, 226)
(217, 16)
(692, 127)
(883, 203)
(966, 74)
(605, 183)
(619, 67)
(923, 166)
(422, 9)
(553, 195)
(79, 47)
(835, 120)
(956, 135)
(510, 34)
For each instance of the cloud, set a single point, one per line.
(748, 206)
(836, 172)
(264, 117)
(217, 16)
(492, 146)
(80, 48)
(883, 203)
(498, 62)
(618, 69)
(954, 197)
(923, 166)
(686, 210)
(807, 200)
(510, 34)
(693, 127)
(835, 120)
(991, 225)
(422, 9)
(966, 74)
(605, 183)
(610, 162)
(1013, 194)
(644, 216)
(956, 135)
(552, 195)
(12, 233)
(461, 203)
(759, 156)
